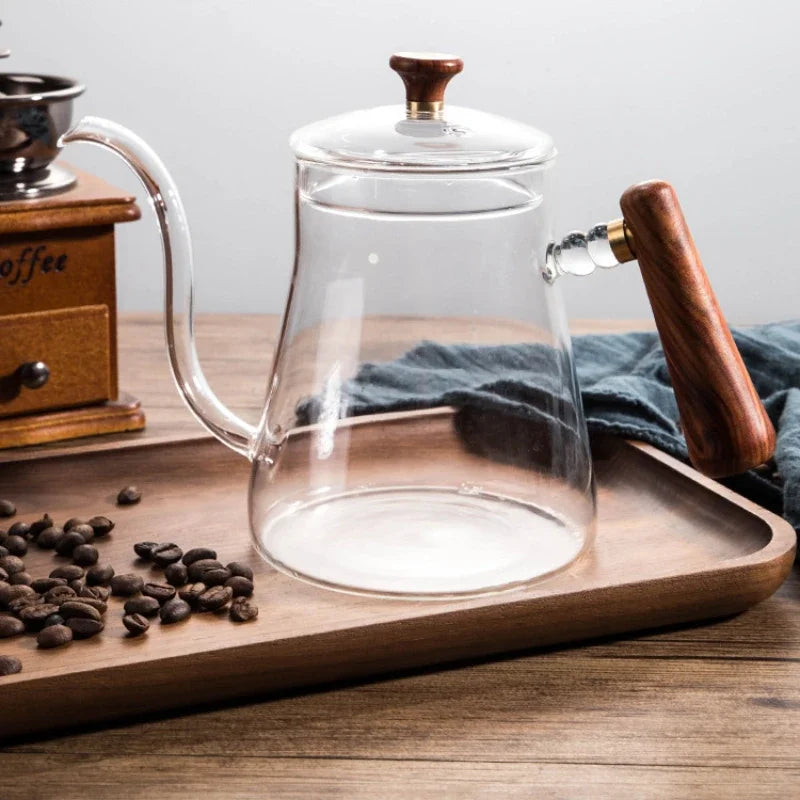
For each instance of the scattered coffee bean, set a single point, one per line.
(176, 574)
(54, 636)
(3, 576)
(76, 608)
(20, 579)
(101, 526)
(7, 508)
(48, 538)
(128, 496)
(85, 530)
(99, 575)
(34, 615)
(77, 585)
(71, 572)
(100, 593)
(3, 551)
(99, 605)
(9, 593)
(58, 594)
(159, 591)
(126, 585)
(216, 577)
(192, 592)
(68, 542)
(16, 545)
(242, 610)
(12, 564)
(136, 624)
(240, 570)
(215, 598)
(83, 628)
(23, 601)
(72, 522)
(174, 610)
(166, 553)
(199, 554)
(198, 569)
(41, 524)
(85, 555)
(11, 626)
(147, 606)
(18, 529)
(3, 535)
(241, 586)
(144, 549)
(54, 619)
(10, 665)
(44, 585)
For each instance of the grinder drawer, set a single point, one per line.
(73, 346)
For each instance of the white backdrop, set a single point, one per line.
(703, 94)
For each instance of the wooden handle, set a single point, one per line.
(426, 76)
(726, 427)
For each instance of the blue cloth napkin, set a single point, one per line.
(625, 388)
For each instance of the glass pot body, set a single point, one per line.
(423, 434)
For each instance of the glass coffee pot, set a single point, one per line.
(422, 434)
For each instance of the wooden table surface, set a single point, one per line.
(709, 711)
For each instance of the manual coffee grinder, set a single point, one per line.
(58, 316)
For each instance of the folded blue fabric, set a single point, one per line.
(625, 388)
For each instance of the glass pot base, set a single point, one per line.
(418, 542)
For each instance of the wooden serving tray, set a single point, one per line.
(672, 546)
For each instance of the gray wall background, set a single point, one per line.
(704, 94)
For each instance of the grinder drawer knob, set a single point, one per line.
(33, 374)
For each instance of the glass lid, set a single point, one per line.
(425, 135)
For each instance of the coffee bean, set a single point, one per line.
(7, 508)
(216, 577)
(11, 626)
(199, 568)
(159, 591)
(77, 585)
(215, 598)
(9, 593)
(192, 592)
(144, 549)
(49, 537)
(176, 574)
(73, 522)
(99, 575)
(71, 572)
(18, 529)
(16, 545)
(241, 570)
(53, 619)
(76, 608)
(10, 665)
(83, 628)
(3, 536)
(3, 551)
(20, 579)
(41, 524)
(199, 554)
(85, 555)
(166, 553)
(136, 624)
(126, 585)
(99, 605)
(147, 606)
(128, 496)
(242, 610)
(12, 564)
(101, 526)
(34, 615)
(174, 610)
(54, 636)
(100, 593)
(58, 594)
(68, 542)
(43, 585)
(23, 601)
(3, 576)
(241, 587)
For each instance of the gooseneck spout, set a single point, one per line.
(178, 274)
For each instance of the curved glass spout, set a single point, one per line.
(178, 274)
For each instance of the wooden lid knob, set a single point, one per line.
(426, 76)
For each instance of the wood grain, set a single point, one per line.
(425, 75)
(717, 555)
(726, 427)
